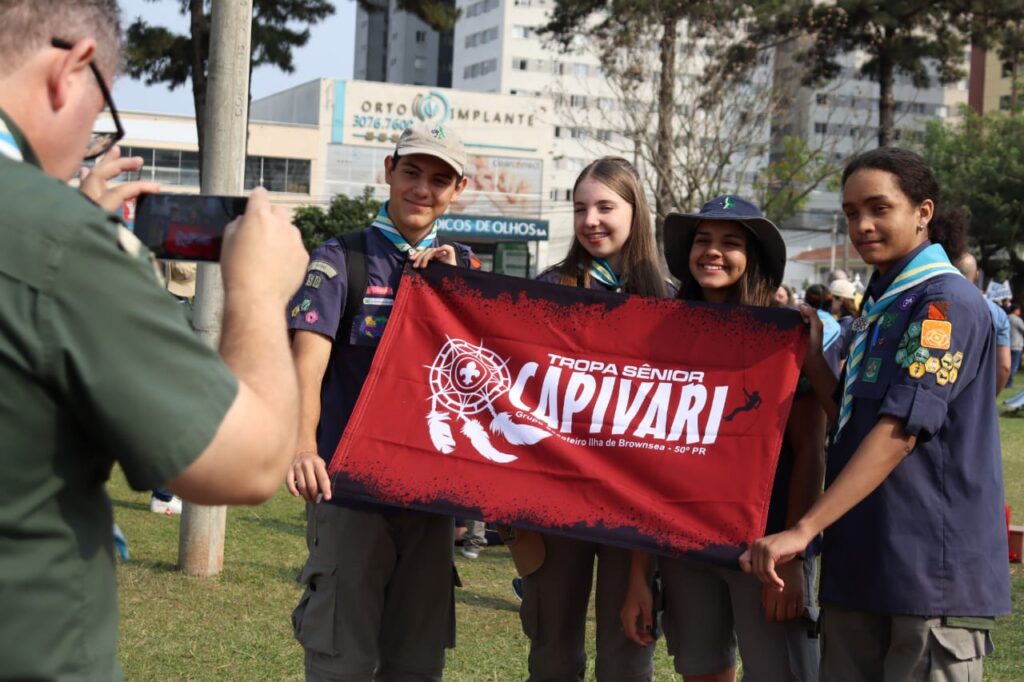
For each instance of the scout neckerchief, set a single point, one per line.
(603, 273)
(383, 223)
(8, 145)
(931, 262)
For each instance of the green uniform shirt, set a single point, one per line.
(97, 366)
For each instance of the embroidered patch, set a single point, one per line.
(378, 300)
(942, 377)
(312, 316)
(295, 311)
(305, 304)
(947, 361)
(938, 310)
(324, 267)
(936, 334)
(914, 330)
(901, 357)
(372, 326)
(922, 355)
(916, 370)
(379, 291)
(314, 280)
(908, 301)
(953, 374)
(958, 359)
(887, 320)
(932, 365)
(871, 369)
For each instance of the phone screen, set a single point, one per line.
(185, 226)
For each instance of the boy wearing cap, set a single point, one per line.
(379, 602)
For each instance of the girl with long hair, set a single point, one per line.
(729, 253)
(614, 249)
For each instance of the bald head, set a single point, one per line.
(968, 267)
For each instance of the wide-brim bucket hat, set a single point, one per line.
(680, 227)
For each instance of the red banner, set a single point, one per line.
(651, 424)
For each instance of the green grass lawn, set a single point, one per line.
(237, 626)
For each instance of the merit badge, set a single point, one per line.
(312, 316)
(938, 310)
(953, 373)
(871, 368)
(324, 267)
(936, 334)
(916, 370)
(942, 377)
(947, 361)
(914, 330)
(901, 357)
(305, 305)
(922, 355)
(314, 280)
(860, 324)
(887, 320)
(295, 311)
(932, 365)
(958, 359)
(908, 301)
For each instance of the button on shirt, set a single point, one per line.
(931, 539)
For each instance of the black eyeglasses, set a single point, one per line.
(100, 142)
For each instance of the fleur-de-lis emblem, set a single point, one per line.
(727, 204)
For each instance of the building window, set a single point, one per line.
(821, 128)
(580, 70)
(577, 100)
(519, 64)
(419, 63)
(578, 133)
(821, 98)
(603, 135)
(521, 31)
(421, 36)
(1007, 70)
(1004, 103)
(277, 175)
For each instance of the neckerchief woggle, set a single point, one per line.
(8, 145)
(603, 273)
(383, 223)
(931, 262)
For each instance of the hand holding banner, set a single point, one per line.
(648, 423)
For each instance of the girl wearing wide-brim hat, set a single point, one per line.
(730, 253)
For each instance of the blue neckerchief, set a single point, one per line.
(831, 330)
(8, 145)
(603, 273)
(930, 262)
(383, 223)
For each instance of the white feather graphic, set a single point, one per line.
(440, 431)
(517, 434)
(477, 435)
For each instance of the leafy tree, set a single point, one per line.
(898, 37)
(785, 185)
(979, 162)
(155, 54)
(344, 214)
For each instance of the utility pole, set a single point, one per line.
(835, 238)
(201, 540)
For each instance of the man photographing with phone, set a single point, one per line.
(97, 363)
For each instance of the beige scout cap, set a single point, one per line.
(434, 140)
(181, 279)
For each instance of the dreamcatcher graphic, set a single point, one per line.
(466, 379)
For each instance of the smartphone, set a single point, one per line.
(185, 226)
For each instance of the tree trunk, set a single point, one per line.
(200, 40)
(886, 98)
(666, 110)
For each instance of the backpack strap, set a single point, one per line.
(354, 244)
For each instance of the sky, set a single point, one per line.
(328, 54)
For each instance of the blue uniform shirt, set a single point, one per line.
(1000, 322)
(931, 539)
(319, 306)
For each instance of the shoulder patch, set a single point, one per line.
(936, 334)
(324, 267)
(938, 310)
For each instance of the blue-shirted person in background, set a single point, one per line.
(968, 266)
(914, 566)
